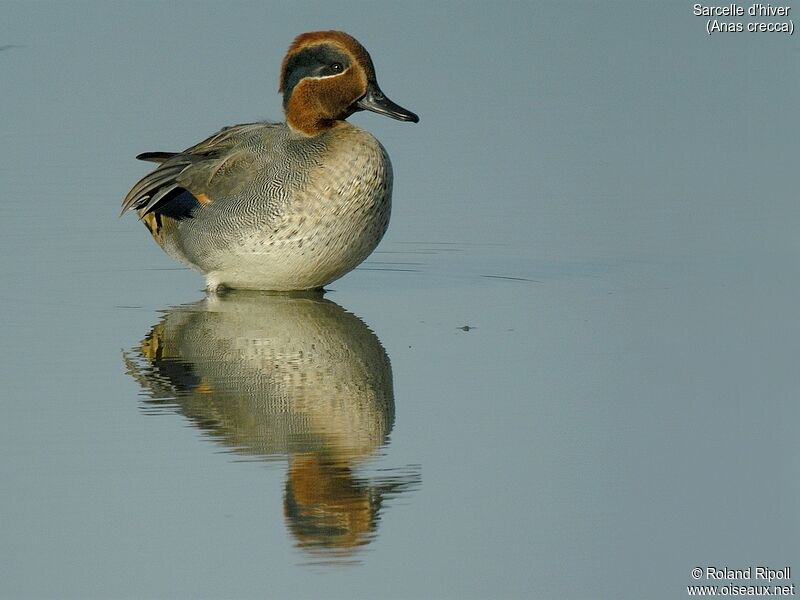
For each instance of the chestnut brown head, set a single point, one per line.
(328, 75)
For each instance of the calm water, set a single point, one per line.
(569, 371)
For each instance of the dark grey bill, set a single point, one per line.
(377, 102)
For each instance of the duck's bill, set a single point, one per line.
(375, 101)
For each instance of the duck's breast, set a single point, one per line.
(305, 211)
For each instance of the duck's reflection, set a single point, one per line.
(275, 376)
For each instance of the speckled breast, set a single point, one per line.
(313, 209)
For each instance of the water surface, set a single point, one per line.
(568, 371)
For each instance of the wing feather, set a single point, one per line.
(190, 171)
(156, 157)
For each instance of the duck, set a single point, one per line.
(281, 206)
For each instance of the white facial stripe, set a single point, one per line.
(328, 76)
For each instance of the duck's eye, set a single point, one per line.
(337, 67)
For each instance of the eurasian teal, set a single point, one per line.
(281, 206)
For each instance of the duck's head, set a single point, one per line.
(327, 76)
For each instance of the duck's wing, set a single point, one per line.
(156, 157)
(187, 180)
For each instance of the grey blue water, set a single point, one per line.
(568, 371)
